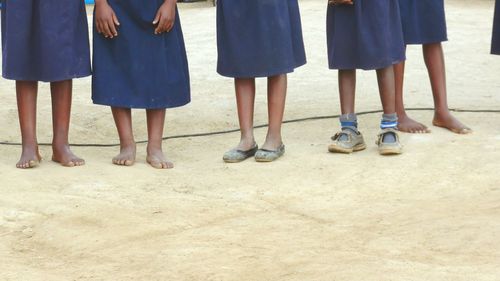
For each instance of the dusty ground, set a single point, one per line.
(431, 214)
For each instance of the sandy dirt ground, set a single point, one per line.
(430, 214)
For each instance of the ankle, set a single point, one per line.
(60, 144)
(127, 145)
(249, 140)
(154, 148)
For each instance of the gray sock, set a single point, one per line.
(348, 122)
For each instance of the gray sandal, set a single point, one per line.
(351, 143)
(236, 155)
(265, 155)
(389, 148)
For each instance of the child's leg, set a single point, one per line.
(347, 91)
(156, 121)
(349, 139)
(276, 98)
(406, 124)
(434, 60)
(26, 104)
(123, 121)
(245, 99)
(385, 77)
(61, 113)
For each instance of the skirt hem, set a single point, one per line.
(97, 102)
(48, 80)
(262, 74)
(366, 67)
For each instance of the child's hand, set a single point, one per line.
(106, 21)
(341, 2)
(165, 17)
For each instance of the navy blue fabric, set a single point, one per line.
(424, 21)
(259, 38)
(495, 44)
(366, 35)
(45, 40)
(139, 69)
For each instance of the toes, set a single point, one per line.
(169, 165)
(128, 163)
(465, 131)
(156, 164)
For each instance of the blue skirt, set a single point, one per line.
(259, 38)
(424, 21)
(495, 44)
(139, 69)
(366, 35)
(44, 40)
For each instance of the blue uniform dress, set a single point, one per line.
(259, 38)
(139, 69)
(495, 45)
(424, 21)
(44, 40)
(366, 35)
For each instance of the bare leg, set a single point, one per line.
(26, 104)
(347, 90)
(245, 100)
(406, 124)
(123, 121)
(385, 77)
(434, 60)
(156, 121)
(276, 98)
(61, 113)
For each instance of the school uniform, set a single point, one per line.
(366, 35)
(424, 21)
(138, 69)
(259, 38)
(495, 44)
(44, 40)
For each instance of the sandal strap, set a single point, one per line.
(384, 132)
(341, 133)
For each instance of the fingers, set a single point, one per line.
(115, 20)
(107, 30)
(98, 26)
(112, 27)
(157, 18)
(159, 24)
(164, 25)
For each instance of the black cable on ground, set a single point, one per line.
(257, 127)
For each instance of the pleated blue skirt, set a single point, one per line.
(424, 21)
(259, 38)
(366, 35)
(44, 40)
(139, 69)
(495, 44)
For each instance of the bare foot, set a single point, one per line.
(157, 159)
(448, 121)
(246, 144)
(272, 144)
(408, 125)
(30, 158)
(126, 156)
(63, 155)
